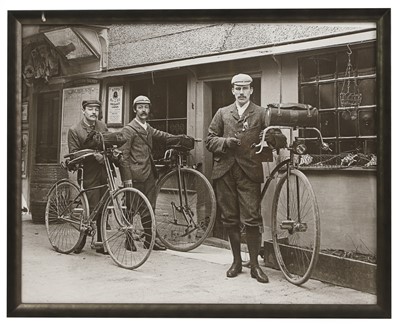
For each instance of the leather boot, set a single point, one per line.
(234, 239)
(254, 244)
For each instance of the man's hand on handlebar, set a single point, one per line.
(99, 157)
(275, 138)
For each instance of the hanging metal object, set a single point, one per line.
(350, 96)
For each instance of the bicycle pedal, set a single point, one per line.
(96, 245)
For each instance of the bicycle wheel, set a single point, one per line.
(295, 227)
(184, 218)
(66, 210)
(128, 228)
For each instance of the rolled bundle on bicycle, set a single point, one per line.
(292, 114)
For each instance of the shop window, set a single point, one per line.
(348, 130)
(168, 96)
(48, 127)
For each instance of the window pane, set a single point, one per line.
(370, 147)
(367, 88)
(348, 123)
(327, 66)
(328, 122)
(308, 95)
(308, 69)
(327, 96)
(367, 119)
(349, 146)
(366, 61)
(158, 97)
(177, 126)
(177, 101)
(342, 61)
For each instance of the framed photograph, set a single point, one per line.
(320, 76)
(115, 110)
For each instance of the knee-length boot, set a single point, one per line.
(234, 239)
(253, 237)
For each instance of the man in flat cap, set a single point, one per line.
(137, 165)
(94, 172)
(237, 172)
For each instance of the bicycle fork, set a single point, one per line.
(183, 204)
(291, 224)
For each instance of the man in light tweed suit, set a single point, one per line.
(237, 172)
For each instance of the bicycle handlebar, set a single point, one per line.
(263, 143)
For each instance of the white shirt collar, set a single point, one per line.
(144, 125)
(241, 109)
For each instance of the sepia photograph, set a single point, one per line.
(199, 163)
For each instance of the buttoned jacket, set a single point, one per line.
(94, 172)
(227, 123)
(136, 160)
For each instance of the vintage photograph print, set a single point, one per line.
(202, 163)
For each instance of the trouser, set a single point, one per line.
(239, 199)
(148, 188)
(95, 176)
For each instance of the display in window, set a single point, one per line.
(366, 122)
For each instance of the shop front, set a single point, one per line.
(187, 90)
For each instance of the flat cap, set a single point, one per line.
(241, 79)
(93, 102)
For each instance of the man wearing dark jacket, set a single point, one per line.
(237, 172)
(94, 172)
(137, 166)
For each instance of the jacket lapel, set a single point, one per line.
(142, 133)
(234, 111)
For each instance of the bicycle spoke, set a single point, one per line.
(296, 240)
(184, 225)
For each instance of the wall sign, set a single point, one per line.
(114, 106)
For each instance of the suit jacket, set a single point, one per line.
(94, 173)
(226, 123)
(136, 162)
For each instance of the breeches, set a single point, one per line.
(239, 198)
(94, 177)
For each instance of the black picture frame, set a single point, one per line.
(15, 308)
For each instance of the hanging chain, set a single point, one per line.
(350, 96)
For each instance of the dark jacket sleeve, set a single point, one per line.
(73, 141)
(215, 141)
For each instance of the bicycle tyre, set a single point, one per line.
(64, 216)
(127, 237)
(296, 243)
(179, 235)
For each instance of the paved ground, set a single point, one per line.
(167, 277)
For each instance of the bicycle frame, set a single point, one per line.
(111, 189)
(290, 163)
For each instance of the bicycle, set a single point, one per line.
(185, 209)
(127, 219)
(295, 223)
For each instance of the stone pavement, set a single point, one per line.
(166, 277)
